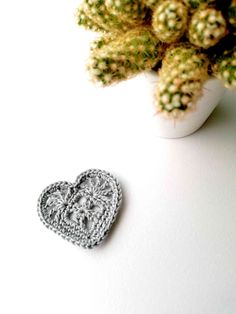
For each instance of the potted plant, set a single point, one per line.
(187, 46)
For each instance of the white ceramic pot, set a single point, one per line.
(192, 121)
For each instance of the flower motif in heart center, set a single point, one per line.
(84, 212)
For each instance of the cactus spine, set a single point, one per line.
(170, 20)
(207, 27)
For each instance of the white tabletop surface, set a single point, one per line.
(173, 249)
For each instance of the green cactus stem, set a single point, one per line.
(96, 10)
(83, 20)
(170, 20)
(137, 50)
(225, 68)
(181, 81)
(207, 27)
(127, 10)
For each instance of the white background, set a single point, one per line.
(173, 249)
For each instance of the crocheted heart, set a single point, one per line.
(82, 212)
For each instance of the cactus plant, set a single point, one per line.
(182, 41)
(170, 20)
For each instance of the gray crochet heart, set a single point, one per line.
(82, 212)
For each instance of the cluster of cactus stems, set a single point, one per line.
(182, 40)
(127, 10)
